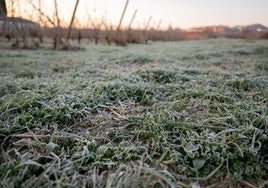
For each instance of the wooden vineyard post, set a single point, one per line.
(72, 20)
(119, 38)
(146, 28)
(122, 16)
(132, 19)
(131, 37)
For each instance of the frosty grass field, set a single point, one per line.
(174, 114)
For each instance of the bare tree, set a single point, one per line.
(57, 38)
(40, 20)
(42, 13)
(56, 23)
(108, 30)
(3, 8)
(11, 6)
(96, 25)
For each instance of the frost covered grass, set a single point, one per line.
(178, 114)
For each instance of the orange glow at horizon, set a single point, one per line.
(181, 14)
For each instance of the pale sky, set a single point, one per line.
(181, 13)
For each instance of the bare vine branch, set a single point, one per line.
(41, 12)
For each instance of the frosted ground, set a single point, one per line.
(175, 114)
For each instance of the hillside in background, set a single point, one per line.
(223, 30)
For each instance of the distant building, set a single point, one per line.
(253, 29)
(209, 29)
(17, 25)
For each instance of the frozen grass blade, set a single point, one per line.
(194, 114)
